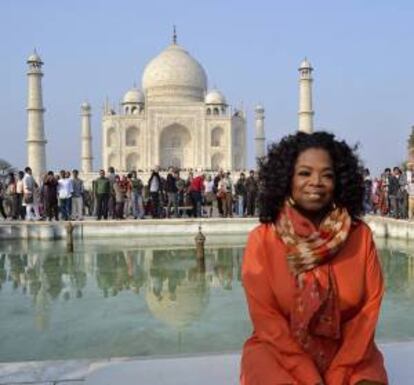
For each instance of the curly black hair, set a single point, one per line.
(277, 168)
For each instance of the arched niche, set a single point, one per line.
(131, 136)
(111, 137)
(175, 146)
(217, 137)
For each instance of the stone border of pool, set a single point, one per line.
(219, 369)
(90, 229)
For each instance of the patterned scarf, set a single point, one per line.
(315, 317)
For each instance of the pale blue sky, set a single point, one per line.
(361, 52)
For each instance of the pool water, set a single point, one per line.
(112, 299)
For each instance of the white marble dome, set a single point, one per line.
(174, 75)
(215, 97)
(132, 96)
(34, 57)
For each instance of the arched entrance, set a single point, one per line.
(175, 147)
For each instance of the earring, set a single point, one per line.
(291, 202)
(334, 207)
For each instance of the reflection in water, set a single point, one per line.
(176, 285)
(166, 274)
(159, 293)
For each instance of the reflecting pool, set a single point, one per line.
(112, 299)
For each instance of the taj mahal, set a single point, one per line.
(173, 120)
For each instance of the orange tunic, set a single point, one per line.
(271, 356)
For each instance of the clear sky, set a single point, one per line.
(361, 52)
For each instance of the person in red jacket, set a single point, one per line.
(196, 194)
(311, 273)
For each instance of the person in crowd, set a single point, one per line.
(310, 272)
(120, 189)
(367, 191)
(171, 190)
(181, 185)
(209, 195)
(401, 198)
(77, 196)
(154, 184)
(29, 185)
(102, 191)
(241, 194)
(251, 194)
(410, 192)
(217, 180)
(38, 208)
(375, 195)
(196, 194)
(20, 195)
(11, 192)
(111, 199)
(404, 194)
(2, 193)
(383, 204)
(226, 194)
(128, 195)
(65, 190)
(50, 194)
(137, 188)
(393, 193)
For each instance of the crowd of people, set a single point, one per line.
(389, 194)
(64, 196)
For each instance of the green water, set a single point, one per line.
(110, 300)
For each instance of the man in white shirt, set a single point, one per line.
(29, 185)
(65, 190)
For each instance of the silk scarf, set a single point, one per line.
(315, 316)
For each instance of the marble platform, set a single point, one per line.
(91, 228)
(221, 369)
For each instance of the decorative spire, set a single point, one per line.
(174, 35)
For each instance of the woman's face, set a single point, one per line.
(313, 180)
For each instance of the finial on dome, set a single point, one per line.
(174, 35)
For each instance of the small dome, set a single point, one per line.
(174, 75)
(259, 108)
(134, 95)
(34, 58)
(85, 106)
(305, 64)
(215, 97)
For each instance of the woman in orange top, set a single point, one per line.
(311, 273)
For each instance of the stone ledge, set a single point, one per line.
(90, 229)
(221, 369)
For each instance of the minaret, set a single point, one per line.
(305, 97)
(36, 141)
(86, 156)
(260, 132)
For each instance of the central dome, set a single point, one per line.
(174, 75)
